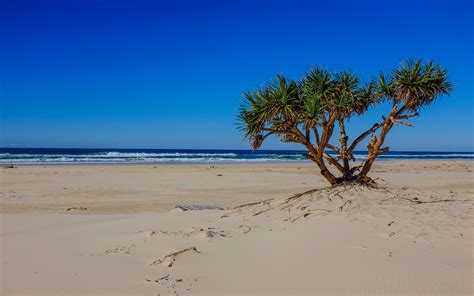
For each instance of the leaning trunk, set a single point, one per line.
(375, 145)
(325, 172)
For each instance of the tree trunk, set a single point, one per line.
(317, 154)
(374, 146)
(346, 174)
(367, 166)
(325, 172)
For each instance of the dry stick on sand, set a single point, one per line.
(346, 202)
(170, 258)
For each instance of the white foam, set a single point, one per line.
(198, 157)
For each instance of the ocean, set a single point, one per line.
(102, 156)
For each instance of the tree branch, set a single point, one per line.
(265, 136)
(333, 162)
(327, 133)
(333, 148)
(397, 121)
(316, 135)
(300, 135)
(279, 131)
(308, 135)
(362, 137)
(408, 116)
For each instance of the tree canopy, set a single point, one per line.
(307, 111)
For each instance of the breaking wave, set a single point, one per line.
(44, 156)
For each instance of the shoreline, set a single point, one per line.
(243, 162)
(36, 156)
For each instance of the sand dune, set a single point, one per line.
(411, 236)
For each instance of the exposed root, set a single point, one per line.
(417, 201)
(297, 218)
(304, 201)
(349, 201)
(169, 259)
(261, 212)
(309, 213)
(355, 180)
(366, 181)
(253, 204)
(238, 208)
(298, 195)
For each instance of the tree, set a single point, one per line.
(409, 88)
(307, 112)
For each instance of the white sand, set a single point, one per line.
(382, 242)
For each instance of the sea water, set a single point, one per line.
(98, 156)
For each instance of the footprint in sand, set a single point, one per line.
(171, 284)
(127, 250)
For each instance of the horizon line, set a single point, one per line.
(223, 149)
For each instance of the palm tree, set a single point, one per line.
(302, 112)
(284, 109)
(409, 88)
(306, 112)
(350, 99)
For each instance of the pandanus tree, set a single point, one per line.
(307, 112)
(408, 89)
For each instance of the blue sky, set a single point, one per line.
(169, 74)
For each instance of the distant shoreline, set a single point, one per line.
(212, 164)
(76, 156)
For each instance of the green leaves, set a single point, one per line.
(284, 106)
(415, 84)
(277, 106)
(316, 89)
(339, 93)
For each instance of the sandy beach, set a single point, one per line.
(114, 230)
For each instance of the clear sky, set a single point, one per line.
(169, 74)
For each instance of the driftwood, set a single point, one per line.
(170, 258)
